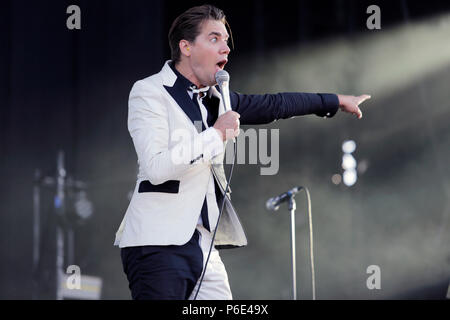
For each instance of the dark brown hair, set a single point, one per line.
(187, 26)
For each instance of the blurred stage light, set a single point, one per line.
(348, 146)
(350, 177)
(348, 162)
(363, 165)
(336, 179)
(83, 207)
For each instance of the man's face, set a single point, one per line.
(209, 52)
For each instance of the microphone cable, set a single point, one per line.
(218, 218)
(311, 243)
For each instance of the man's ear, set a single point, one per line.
(185, 48)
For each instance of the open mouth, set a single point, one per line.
(221, 64)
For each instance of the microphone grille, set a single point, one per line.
(270, 205)
(222, 76)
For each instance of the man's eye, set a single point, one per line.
(214, 39)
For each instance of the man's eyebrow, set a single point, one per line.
(217, 34)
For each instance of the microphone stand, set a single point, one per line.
(292, 208)
(273, 204)
(64, 233)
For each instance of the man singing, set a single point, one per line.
(180, 127)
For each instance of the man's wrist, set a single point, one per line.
(340, 99)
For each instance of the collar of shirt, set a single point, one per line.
(190, 87)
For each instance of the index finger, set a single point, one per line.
(363, 98)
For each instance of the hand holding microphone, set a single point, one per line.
(228, 123)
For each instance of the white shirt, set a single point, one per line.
(211, 200)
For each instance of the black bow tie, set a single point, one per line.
(196, 91)
(211, 105)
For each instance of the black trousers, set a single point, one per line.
(163, 272)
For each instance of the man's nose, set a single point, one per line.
(225, 49)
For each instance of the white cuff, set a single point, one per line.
(212, 144)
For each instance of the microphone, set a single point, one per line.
(274, 203)
(223, 80)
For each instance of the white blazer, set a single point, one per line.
(175, 161)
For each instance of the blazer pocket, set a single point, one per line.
(170, 186)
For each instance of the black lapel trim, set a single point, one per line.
(212, 105)
(180, 95)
